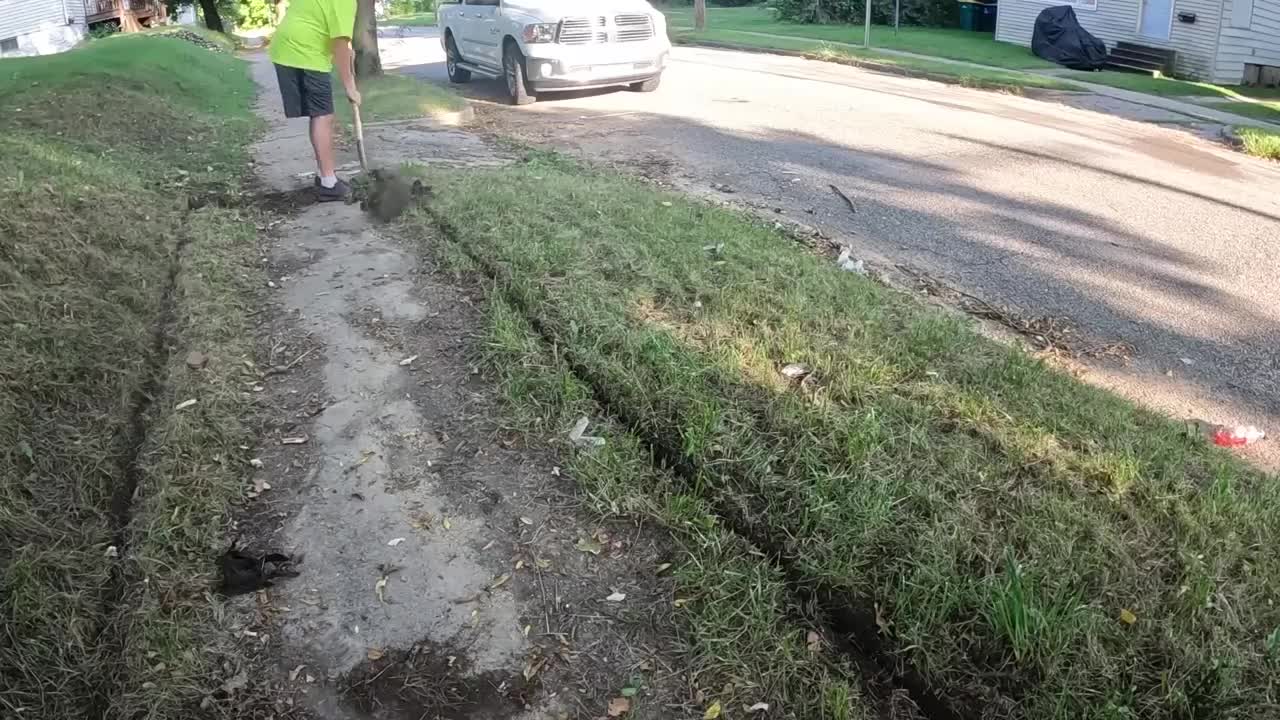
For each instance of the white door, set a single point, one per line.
(1157, 19)
(481, 35)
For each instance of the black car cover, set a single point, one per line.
(1059, 37)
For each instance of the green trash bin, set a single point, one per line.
(970, 15)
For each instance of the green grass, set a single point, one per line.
(1259, 142)
(101, 150)
(939, 42)
(1005, 520)
(422, 19)
(396, 97)
(1170, 87)
(1262, 110)
(992, 79)
(743, 642)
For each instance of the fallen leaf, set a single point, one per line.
(256, 464)
(238, 682)
(519, 564)
(630, 691)
(394, 542)
(616, 597)
(184, 404)
(619, 706)
(374, 654)
(758, 707)
(712, 712)
(408, 361)
(1127, 617)
(526, 521)
(680, 602)
(293, 674)
(379, 588)
(662, 568)
(260, 486)
(814, 641)
(502, 580)
(447, 524)
(587, 545)
(796, 371)
(299, 440)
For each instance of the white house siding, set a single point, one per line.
(1117, 20)
(40, 26)
(1250, 34)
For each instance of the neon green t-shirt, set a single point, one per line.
(305, 37)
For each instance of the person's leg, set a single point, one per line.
(322, 143)
(318, 100)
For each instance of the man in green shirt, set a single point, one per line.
(314, 36)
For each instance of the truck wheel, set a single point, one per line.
(451, 55)
(517, 82)
(646, 85)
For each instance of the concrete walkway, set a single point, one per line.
(1182, 107)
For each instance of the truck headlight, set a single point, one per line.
(540, 33)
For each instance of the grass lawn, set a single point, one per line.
(1170, 87)
(395, 97)
(992, 79)
(412, 19)
(113, 503)
(1003, 528)
(1260, 143)
(940, 42)
(1263, 110)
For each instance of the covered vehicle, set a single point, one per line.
(1058, 37)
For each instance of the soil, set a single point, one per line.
(440, 573)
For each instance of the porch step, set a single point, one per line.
(1131, 57)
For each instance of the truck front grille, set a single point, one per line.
(598, 29)
(633, 28)
(583, 30)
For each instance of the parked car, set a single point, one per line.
(541, 46)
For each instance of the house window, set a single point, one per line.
(8, 45)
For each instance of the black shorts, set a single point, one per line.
(306, 93)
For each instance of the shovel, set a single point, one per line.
(387, 194)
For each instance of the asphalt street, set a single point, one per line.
(1144, 233)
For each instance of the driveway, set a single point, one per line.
(1138, 233)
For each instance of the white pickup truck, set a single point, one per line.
(549, 45)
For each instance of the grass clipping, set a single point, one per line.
(1024, 540)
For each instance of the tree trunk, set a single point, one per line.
(212, 20)
(699, 15)
(364, 40)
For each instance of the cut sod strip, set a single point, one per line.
(1027, 545)
(747, 643)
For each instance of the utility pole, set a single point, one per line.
(699, 15)
(866, 28)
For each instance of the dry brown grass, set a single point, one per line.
(104, 586)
